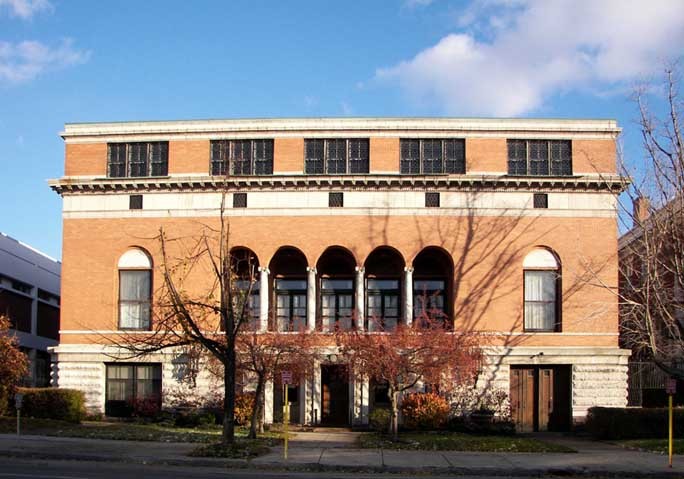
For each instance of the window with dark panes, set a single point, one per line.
(134, 299)
(135, 202)
(335, 199)
(429, 297)
(138, 159)
(314, 163)
(539, 157)
(18, 309)
(382, 309)
(454, 156)
(358, 156)
(130, 387)
(540, 200)
(290, 304)
(432, 200)
(337, 297)
(432, 156)
(241, 157)
(239, 200)
(336, 156)
(252, 302)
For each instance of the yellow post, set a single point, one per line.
(669, 446)
(286, 419)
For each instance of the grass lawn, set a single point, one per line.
(653, 445)
(121, 431)
(453, 441)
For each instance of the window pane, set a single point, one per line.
(337, 284)
(263, 157)
(137, 159)
(358, 156)
(517, 157)
(561, 160)
(454, 161)
(410, 156)
(290, 284)
(432, 156)
(159, 155)
(134, 285)
(383, 284)
(337, 156)
(314, 157)
(241, 159)
(117, 160)
(219, 157)
(539, 157)
(540, 285)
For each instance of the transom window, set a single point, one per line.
(432, 156)
(241, 157)
(336, 156)
(138, 159)
(382, 310)
(337, 297)
(290, 304)
(542, 291)
(540, 157)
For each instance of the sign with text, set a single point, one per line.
(286, 377)
(18, 400)
(671, 386)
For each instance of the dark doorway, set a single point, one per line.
(540, 398)
(335, 395)
(279, 402)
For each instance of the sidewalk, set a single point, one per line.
(335, 452)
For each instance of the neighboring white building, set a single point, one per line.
(30, 296)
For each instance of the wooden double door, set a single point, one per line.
(541, 398)
(335, 395)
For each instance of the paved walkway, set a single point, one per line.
(335, 451)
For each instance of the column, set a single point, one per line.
(360, 296)
(311, 299)
(408, 296)
(263, 298)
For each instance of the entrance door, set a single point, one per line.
(279, 399)
(540, 398)
(335, 395)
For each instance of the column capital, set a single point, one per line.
(264, 269)
(408, 269)
(360, 269)
(311, 269)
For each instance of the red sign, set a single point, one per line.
(286, 377)
(671, 386)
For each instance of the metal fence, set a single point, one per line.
(643, 376)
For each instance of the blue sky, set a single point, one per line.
(78, 61)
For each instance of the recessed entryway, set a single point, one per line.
(540, 398)
(335, 395)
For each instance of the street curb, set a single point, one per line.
(316, 467)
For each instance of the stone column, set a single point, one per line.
(263, 298)
(408, 296)
(311, 299)
(360, 296)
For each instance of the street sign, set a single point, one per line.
(18, 399)
(286, 377)
(671, 386)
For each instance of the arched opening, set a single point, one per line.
(542, 286)
(288, 269)
(384, 270)
(135, 289)
(245, 268)
(433, 272)
(336, 268)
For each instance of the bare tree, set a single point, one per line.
(652, 252)
(203, 302)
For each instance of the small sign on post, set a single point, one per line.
(670, 389)
(286, 377)
(18, 400)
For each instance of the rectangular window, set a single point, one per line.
(132, 388)
(241, 157)
(337, 296)
(290, 304)
(253, 305)
(432, 200)
(335, 200)
(429, 298)
(134, 299)
(336, 156)
(239, 200)
(135, 202)
(137, 160)
(382, 309)
(432, 156)
(540, 200)
(539, 157)
(540, 300)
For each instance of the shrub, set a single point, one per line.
(244, 404)
(146, 408)
(379, 419)
(425, 411)
(467, 399)
(632, 423)
(194, 418)
(497, 426)
(13, 366)
(54, 403)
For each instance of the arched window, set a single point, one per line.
(384, 269)
(432, 277)
(542, 291)
(336, 268)
(245, 266)
(288, 267)
(135, 289)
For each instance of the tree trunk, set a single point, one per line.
(262, 409)
(229, 398)
(256, 410)
(394, 413)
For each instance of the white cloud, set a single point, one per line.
(26, 8)
(512, 55)
(23, 61)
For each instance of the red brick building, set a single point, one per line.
(496, 219)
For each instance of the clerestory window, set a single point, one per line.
(539, 157)
(241, 157)
(336, 156)
(137, 159)
(432, 156)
